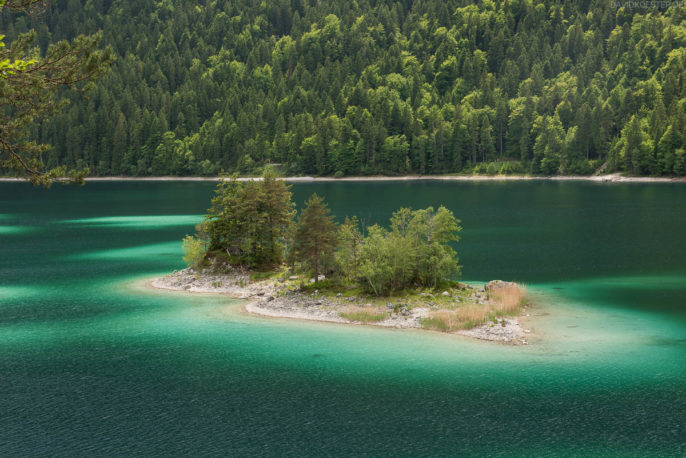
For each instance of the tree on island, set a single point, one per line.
(194, 249)
(248, 221)
(251, 222)
(29, 83)
(315, 235)
(415, 251)
(278, 208)
(348, 250)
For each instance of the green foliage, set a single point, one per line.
(193, 251)
(362, 88)
(30, 81)
(314, 240)
(257, 276)
(248, 220)
(680, 162)
(348, 249)
(249, 225)
(580, 167)
(326, 285)
(415, 251)
(384, 265)
(499, 168)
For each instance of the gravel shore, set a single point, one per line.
(276, 299)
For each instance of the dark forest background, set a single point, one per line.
(372, 87)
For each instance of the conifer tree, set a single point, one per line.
(348, 250)
(315, 235)
(248, 221)
(275, 201)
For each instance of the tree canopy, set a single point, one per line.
(29, 84)
(251, 225)
(248, 221)
(390, 87)
(315, 235)
(415, 251)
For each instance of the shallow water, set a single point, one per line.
(94, 363)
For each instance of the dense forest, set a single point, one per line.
(364, 87)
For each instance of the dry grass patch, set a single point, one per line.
(508, 299)
(365, 314)
(462, 318)
(442, 320)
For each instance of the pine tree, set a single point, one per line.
(248, 221)
(278, 208)
(315, 235)
(348, 250)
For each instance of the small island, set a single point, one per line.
(251, 246)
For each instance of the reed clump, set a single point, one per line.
(508, 299)
(464, 317)
(505, 300)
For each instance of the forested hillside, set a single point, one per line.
(334, 87)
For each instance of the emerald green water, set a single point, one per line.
(94, 363)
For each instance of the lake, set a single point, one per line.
(92, 362)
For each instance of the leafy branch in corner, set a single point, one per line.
(29, 92)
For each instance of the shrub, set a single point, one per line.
(479, 169)
(193, 251)
(415, 251)
(580, 167)
(321, 285)
(497, 167)
(550, 165)
(512, 168)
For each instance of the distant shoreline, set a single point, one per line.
(612, 178)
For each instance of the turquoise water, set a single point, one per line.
(94, 363)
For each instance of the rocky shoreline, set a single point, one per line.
(280, 299)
